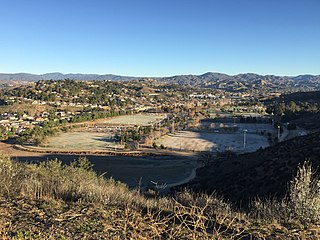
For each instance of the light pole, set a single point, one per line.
(173, 125)
(244, 138)
(134, 118)
(279, 133)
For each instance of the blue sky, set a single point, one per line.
(160, 37)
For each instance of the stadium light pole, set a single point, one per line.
(244, 138)
(173, 125)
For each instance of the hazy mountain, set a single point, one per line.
(60, 76)
(246, 77)
(248, 82)
(186, 79)
(239, 82)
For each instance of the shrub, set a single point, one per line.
(11, 176)
(127, 214)
(305, 195)
(154, 145)
(268, 211)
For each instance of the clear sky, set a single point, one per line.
(160, 37)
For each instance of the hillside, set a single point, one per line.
(308, 97)
(264, 173)
(299, 108)
(55, 201)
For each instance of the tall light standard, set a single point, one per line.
(244, 138)
(134, 117)
(173, 125)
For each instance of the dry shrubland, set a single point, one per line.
(52, 200)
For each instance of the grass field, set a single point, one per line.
(137, 119)
(81, 141)
(160, 169)
(211, 141)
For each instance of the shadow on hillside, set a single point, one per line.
(265, 173)
(131, 170)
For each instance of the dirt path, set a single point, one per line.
(9, 150)
(187, 179)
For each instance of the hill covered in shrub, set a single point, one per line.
(55, 201)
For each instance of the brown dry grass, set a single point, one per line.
(55, 201)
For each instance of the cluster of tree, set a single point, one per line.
(130, 135)
(254, 120)
(3, 133)
(69, 91)
(295, 105)
(293, 110)
(96, 114)
(38, 134)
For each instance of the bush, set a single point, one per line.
(11, 176)
(73, 182)
(302, 205)
(305, 195)
(127, 214)
(52, 179)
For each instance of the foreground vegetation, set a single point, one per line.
(51, 200)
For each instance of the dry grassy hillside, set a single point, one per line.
(55, 201)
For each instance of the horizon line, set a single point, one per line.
(184, 74)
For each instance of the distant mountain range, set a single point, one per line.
(217, 80)
(212, 80)
(189, 79)
(59, 76)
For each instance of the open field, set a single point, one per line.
(82, 141)
(211, 141)
(137, 119)
(162, 169)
